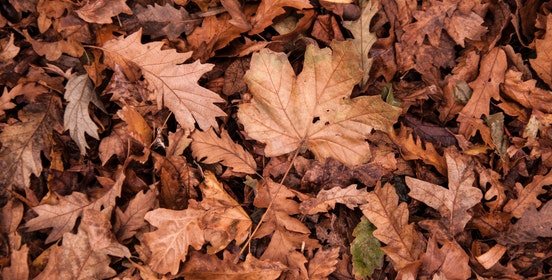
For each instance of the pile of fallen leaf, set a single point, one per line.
(275, 139)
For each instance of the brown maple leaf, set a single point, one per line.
(453, 203)
(174, 83)
(313, 109)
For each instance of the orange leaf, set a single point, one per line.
(101, 11)
(323, 263)
(527, 196)
(174, 83)
(543, 63)
(269, 9)
(132, 219)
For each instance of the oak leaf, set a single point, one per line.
(313, 109)
(542, 64)
(207, 147)
(404, 243)
(23, 141)
(325, 200)
(532, 224)
(174, 83)
(129, 221)
(323, 263)
(453, 203)
(527, 196)
(204, 266)
(447, 262)
(526, 93)
(79, 92)
(7, 96)
(101, 11)
(365, 250)
(363, 38)
(62, 216)
(8, 50)
(19, 267)
(270, 9)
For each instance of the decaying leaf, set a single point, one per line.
(326, 200)
(404, 243)
(365, 249)
(531, 225)
(101, 11)
(447, 262)
(174, 83)
(79, 93)
(313, 109)
(269, 9)
(527, 196)
(207, 147)
(542, 63)
(129, 221)
(453, 203)
(323, 263)
(166, 20)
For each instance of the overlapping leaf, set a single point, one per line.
(313, 109)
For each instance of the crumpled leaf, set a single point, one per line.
(23, 141)
(85, 255)
(365, 250)
(453, 203)
(79, 92)
(101, 11)
(62, 216)
(527, 196)
(8, 50)
(447, 262)
(363, 38)
(313, 110)
(159, 21)
(174, 83)
(404, 243)
(325, 200)
(269, 9)
(207, 147)
(204, 266)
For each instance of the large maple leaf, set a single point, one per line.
(313, 109)
(175, 83)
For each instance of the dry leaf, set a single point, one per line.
(19, 267)
(269, 9)
(527, 196)
(8, 50)
(174, 83)
(79, 92)
(101, 11)
(313, 109)
(62, 216)
(447, 262)
(23, 141)
(530, 226)
(453, 203)
(138, 128)
(207, 147)
(7, 96)
(412, 149)
(543, 64)
(404, 243)
(323, 263)
(363, 38)
(127, 223)
(325, 200)
(160, 21)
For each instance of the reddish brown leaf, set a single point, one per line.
(527, 196)
(101, 11)
(323, 263)
(447, 262)
(326, 200)
(128, 222)
(543, 64)
(160, 21)
(269, 9)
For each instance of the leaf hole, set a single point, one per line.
(315, 119)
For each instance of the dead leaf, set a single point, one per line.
(159, 21)
(412, 149)
(363, 38)
(542, 64)
(269, 9)
(325, 200)
(62, 216)
(138, 127)
(323, 263)
(239, 19)
(174, 83)
(448, 262)
(52, 51)
(207, 147)
(453, 203)
(7, 96)
(101, 11)
(8, 50)
(79, 93)
(527, 196)
(365, 250)
(313, 109)
(19, 267)
(127, 223)
(404, 243)
(23, 141)
(532, 224)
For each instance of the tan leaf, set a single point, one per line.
(7, 96)
(176, 230)
(160, 21)
(453, 203)
(8, 50)
(525, 92)
(138, 127)
(448, 262)
(207, 147)
(364, 39)
(19, 266)
(464, 25)
(62, 216)
(23, 141)
(527, 196)
(543, 64)
(404, 243)
(224, 220)
(269, 9)
(314, 108)
(325, 200)
(323, 263)
(175, 83)
(239, 19)
(79, 92)
(492, 70)
(101, 11)
(132, 219)
(52, 51)
(79, 257)
(202, 266)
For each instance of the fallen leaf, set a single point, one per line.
(129, 221)
(101, 11)
(79, 93)
(23, 141)
(159, 21)
(52, 51)
(527, 196)
(532, 224)
(8, 50)
(413, 149)
(19, 267)
(174, 83)
(7, 96)
(365, 249)
(453, 203)
(62, 216)
(202, 266)
(404, 243)
(325, 200)
(138, 128)
(269, 9)
(239, 19)
(447, 262)
(323, 263)
(207, 147)
(363, 38)
(542, 64)
(313, 109)
(526, 93)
